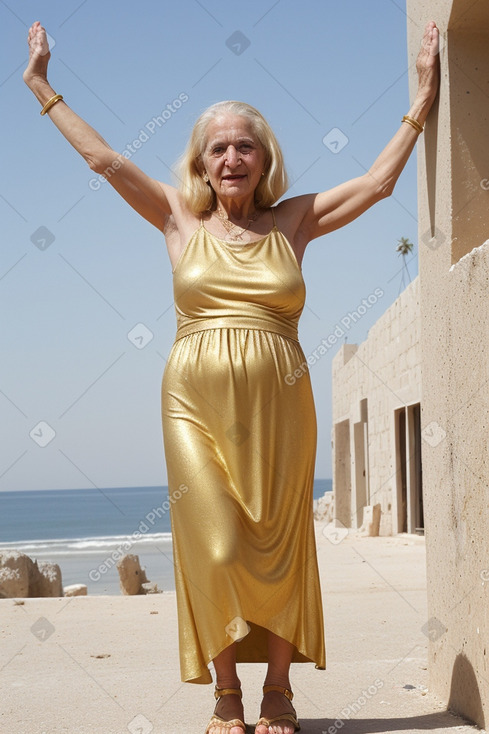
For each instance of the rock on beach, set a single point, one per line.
(21, 577)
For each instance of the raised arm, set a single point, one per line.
(327, 211)
(146, 195)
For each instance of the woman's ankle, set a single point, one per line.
(277, 680)
(230, 682)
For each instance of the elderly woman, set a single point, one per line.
(237, 434)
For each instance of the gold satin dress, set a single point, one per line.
(240, 445)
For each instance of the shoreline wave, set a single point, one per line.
(88, 545)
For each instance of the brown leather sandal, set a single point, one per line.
(218, 720)
(283, 717)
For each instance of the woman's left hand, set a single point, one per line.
(428, 63)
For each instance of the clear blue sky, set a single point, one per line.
(79, 269)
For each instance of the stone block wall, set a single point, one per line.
(453, 207)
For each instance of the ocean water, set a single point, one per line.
(86, 531)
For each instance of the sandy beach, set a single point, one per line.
(109, 664)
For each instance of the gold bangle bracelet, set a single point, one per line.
(414, 123)
(51, 102)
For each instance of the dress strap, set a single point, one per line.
(272, 209)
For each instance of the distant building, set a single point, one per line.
(377, 421)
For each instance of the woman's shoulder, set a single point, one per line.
(179, 225)
(289, 216)
(290, 212)
(295, 205)
(173, 195)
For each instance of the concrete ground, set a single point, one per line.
(109, 665)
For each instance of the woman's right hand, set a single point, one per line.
(146, 195)
(39, 54)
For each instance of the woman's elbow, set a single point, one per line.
(379, 187)
(95, 163)
(101, 161)
(385, 189)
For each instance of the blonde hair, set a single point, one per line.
(199, 195)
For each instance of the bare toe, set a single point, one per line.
(229, 708)
(274, 704)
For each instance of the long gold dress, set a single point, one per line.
(240, 444)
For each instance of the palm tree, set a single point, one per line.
(404, 248)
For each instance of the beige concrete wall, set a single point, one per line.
(370, 383)
(453, 166)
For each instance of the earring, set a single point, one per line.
(263, 174)
(205, 176)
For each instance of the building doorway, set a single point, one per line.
(409, 475)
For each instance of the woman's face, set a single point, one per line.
(233, 157)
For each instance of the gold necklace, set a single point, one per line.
(230, 226)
